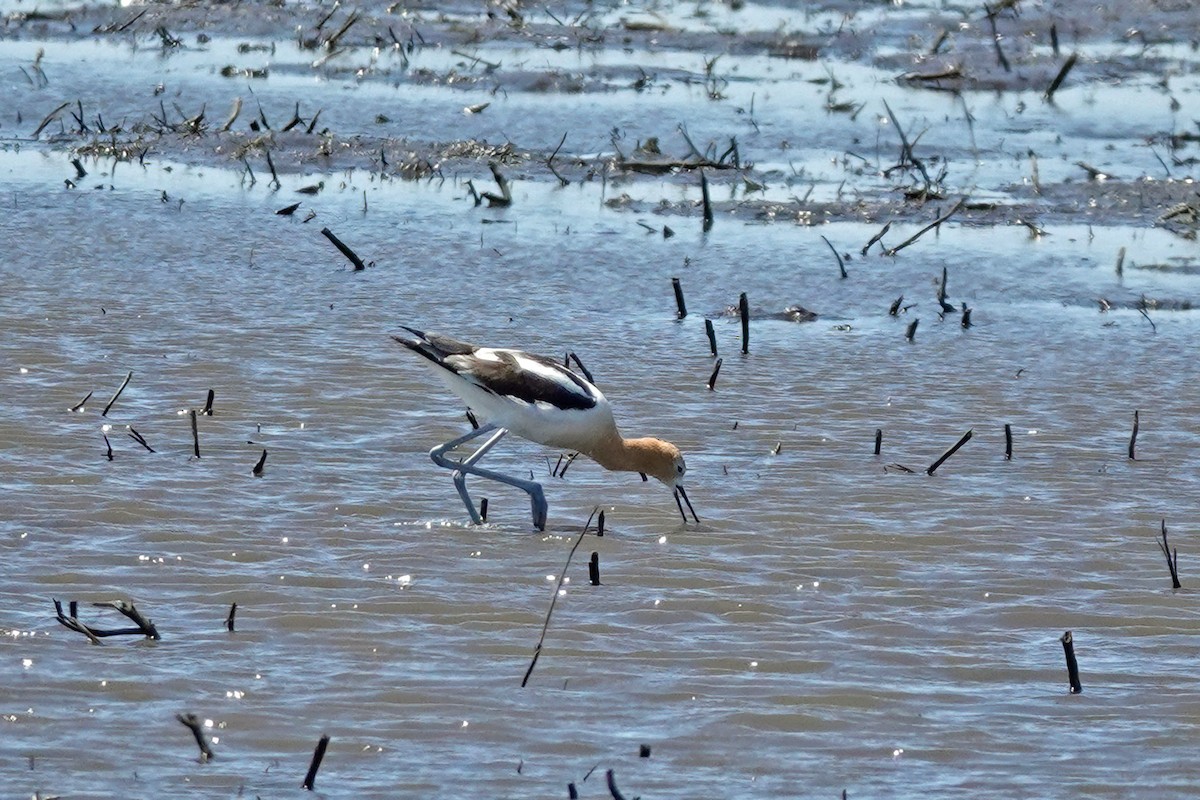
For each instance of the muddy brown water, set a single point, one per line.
(830, 625)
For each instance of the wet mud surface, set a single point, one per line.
(833, 113)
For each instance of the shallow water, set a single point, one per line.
(830, 625)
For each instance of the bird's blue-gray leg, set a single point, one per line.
(466, 466)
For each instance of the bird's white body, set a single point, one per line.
(537, 420)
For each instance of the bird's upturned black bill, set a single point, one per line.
(679, 492)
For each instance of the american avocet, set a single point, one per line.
(541, 400)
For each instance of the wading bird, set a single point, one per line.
(537, 399)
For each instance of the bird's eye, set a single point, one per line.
(680, 468)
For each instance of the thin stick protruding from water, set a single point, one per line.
(195, 433)
(192, 722)
(1061, 76)
(537, 651)
(712, 379)
(120, 389)
(744, 313)
(708, 212)
(680, 306)
(79, 405)
(966, 437)
(891, 251)
(912, 329)
(1133, 438)
(594, 569)
(1172, 557)
(208, 403)
(838, 256)
(315, 764)
(1068, 643)
(1120, 262)
(711, 333)
(1007, 442)
(229, 620)
(878, 441)
(257, 471)
(344, 250)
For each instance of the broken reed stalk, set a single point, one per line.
(712, 336)
(680, 306)
(208, 403)
(838, 256)
(128, 609)
(878, 440)
(483, 509)
(137, 437)
(712, 379)
(744, 313)
(344, 250)
(708, 212)
(550, 162)
(229, 620)
(315, 764)
(192, 722)
(891, 251)
(108, 444)
(195, 433)
(1068, 643)
(912, 329)
(124, 383)
(257, 471)
(1133, 438)
(1120, 262)
(537, 651)
(894, 308)
(991, 17)
(1172, 558)
(1061, 76)
(1007, 442)
(594, 569)
(600, 525)
(612, 786)
(966, 437)
(79, 405)
(882, 232)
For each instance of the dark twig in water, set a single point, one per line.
(195, 433)
(600, 525)
(108, 445)
(550, 162)
(53, 115)
(1120, 262)
(79, 405)
(1061, 76)
(594, 569)
(1068, 643)
(991, 17)
(208, 403)
(537, 651)
(120, 389)
(504, 199)
(257, 470)
(911, 333)
(966, 437)
(954, 210)
(318, 754)
(941, 295)
(708, 212)
(878, 440)
(192, 722)
(1172, 558)
(894, 309)
(712, 379)
(344, 250)
(744, 313)
(612, 786)
(483, 509)
(127, 608)
(229, 620)
(882, 232)
(1133, 438)
(712, 335)
(137, 437)
(680, 306)
(1007, 442)
(70, 621)
(838, 256)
